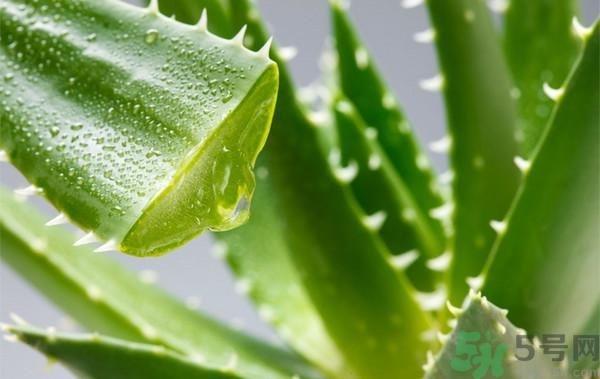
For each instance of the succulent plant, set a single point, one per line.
(145, 131)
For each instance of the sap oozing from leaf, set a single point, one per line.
(106, 112)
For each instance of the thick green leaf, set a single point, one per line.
(362, 84)
(550, 247)
(481, 325)
(94, 356)
(367, 310)
(540, 47)
(140, 129)
(104, 297)
(260, 258)
(385, 194)
(481, 121)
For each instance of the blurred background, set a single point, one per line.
(192, 273)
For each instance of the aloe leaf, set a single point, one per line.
(360, 81)
(540, 48)
(385, 194)
(189, 12)
(140, 129)
(104, 297)
(342, 265)
(265, 273)
(552, 229)
(481, 120)
(481, 325)
(95, 356)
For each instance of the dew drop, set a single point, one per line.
(151, 36)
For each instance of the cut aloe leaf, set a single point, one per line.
(98, 357)
(382, 194)
(104, 297)
(552, 229)
(140, 129)
(540, 48)
(483, 345)
(361, 83)
(481, 119)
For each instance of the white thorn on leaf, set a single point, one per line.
(498, 6)
(426, 36)
(446, 177)
(362, 58)
(375, 221)
(202, 24)
(3, 156)
(522, 164)
(553, 93)
(442, 212)
(402, 261)
(580, 30)
(148, 276)
(111, 245)
(232, 363)
(344, 106)
(432, 301)
(454, 311)
(28, 191)
(441, 146)
(374, 161)
(388, 101)
(87, 239)
(498, 226)
(428, 366)
(443, 338)
(94, 293)
(475, 283)
(440, 263)
(11, 338)
(153, 6)
(266, 313)
(264, 51)
(238, 39)
(17, 319)
(371, 133)
(500, 328)
(58, 220)
(219, 250)
(452, 323)
(348, 173)
(408, 4)
(243, 286)
(434, 84)
(193, 302)
(287, 53)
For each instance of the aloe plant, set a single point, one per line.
(145, 131)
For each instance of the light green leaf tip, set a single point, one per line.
(98, 357)
(481, 326)
(549, 248)
(139, 129)
(104, 297)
